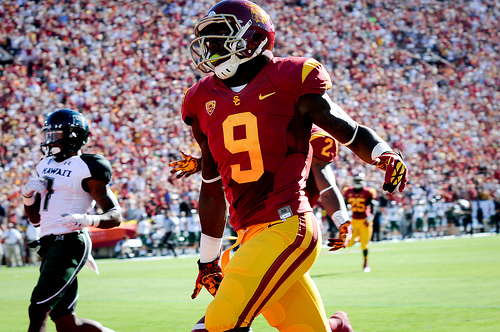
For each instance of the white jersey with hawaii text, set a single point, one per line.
(64, 192)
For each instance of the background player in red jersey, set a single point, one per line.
(361, 200)
(321, 185)
(252, 121)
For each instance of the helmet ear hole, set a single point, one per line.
(257, 36)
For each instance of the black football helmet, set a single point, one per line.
(249, 32)
(66, 131)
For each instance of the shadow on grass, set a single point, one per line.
(335, 274)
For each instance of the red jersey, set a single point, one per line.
(258, 138)
(360, 201)
(324, 147)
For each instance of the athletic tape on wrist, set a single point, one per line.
(379, 149)
(340, 217)
(209, 248)
(29, 200)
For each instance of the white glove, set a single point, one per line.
(76, 221)
(34, 185)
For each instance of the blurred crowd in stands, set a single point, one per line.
(424, 73)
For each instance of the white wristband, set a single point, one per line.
(209, 248)
(340, 217)
(28, 201)
(379, 149)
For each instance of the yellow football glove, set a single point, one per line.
(210, 277)
(186, 167)
(345, 235)
(396, 172)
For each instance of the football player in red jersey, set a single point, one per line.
(320, 183)
(252, 120)
(361, 200)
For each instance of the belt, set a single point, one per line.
(44, 240)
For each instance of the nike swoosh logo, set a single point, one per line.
(276, 223)
(261, 97)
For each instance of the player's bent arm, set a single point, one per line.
(325, 181)
(363, 141)
(331, 197)
(322, 111)
(107, 201)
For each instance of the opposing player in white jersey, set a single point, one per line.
(394, 214)
(67, 187)
(432, 218)
(418, 218)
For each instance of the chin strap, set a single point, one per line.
(228, 68)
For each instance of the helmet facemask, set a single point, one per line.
(358, 185)
(359, 182)
(236, 46)
(64, 136)
(53, 142)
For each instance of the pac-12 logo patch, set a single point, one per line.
(210, 107)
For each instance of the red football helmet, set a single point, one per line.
(248, 31)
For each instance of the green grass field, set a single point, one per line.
(427, 285)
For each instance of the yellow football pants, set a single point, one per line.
(268, 274)
(361, 232)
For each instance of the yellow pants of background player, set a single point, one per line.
(361, 232)
(268, 274)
